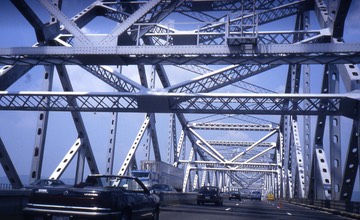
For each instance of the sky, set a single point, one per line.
(17, 129)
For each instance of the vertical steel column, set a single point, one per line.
(214, 181)
(172, 139)
(147, 145)
(351, 165)
(180, 148)
(286, 160)
(350, 75)
(39, 146)
(335, 138)
(306, 118)
(111, 144)
(320, 180)
(298, 159)
(203, 178)
(41, 129)
(196, 182)
(187, 173)
(307, 129)
(279, 152)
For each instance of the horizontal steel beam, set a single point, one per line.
(229, 126)
(162, 102)
(234, 170)
(268, 49)
(237, 144)
(228, 163)
(181, 55)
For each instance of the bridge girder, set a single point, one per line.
(143, 36)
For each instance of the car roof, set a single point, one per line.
(160, 184)
(112, 176)
(43, 180)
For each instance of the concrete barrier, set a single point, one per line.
(344, 208)
(12, 203)
(176, 198)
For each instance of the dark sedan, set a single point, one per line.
(209, 194)
(99, 197)
(234, 195)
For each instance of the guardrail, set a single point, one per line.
(344, 208)
(12, 203)
(5, 186)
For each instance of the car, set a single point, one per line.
(244, 195)
(209, 194)
(234, 195)
(157, 188)
(255, 195)
(99, 197)
(45, 183)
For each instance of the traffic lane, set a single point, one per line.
(245, 209)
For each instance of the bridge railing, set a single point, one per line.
(5, 186)
(344, 208)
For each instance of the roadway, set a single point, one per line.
(245, 209)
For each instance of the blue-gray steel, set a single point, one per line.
(219, 51)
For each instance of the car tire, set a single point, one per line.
(156, 214)
(198, 203)
(125, 216)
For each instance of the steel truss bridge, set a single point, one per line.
(205, 65)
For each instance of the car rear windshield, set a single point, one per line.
(209, 189)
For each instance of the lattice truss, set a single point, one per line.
(256, 91)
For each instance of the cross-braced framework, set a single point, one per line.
(260, 95)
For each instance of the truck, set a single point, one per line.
(158, 172)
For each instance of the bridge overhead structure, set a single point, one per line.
(259, 94)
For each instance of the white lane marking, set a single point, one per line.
(228, 209)
(288, 213)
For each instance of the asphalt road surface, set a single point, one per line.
(245, 209)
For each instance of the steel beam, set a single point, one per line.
(331, 104)
(9, 168)
(41, 130)
(130, 155)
